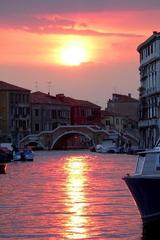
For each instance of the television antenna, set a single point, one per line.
(36, 86)
(49, 87)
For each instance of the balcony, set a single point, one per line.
(142, 90)
(148, 123)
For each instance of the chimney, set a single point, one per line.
(60, 96)
(154, 32)
(129, 95)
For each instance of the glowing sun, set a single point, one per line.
(73, 55)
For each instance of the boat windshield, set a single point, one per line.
(140, 163)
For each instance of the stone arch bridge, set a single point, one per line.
(48, 140)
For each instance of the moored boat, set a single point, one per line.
(23, 154)
(27, 155)
(144, 185)
(5, 155)
(107, 146)
(17, 156)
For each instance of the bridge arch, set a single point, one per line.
(32, 143)
(48, 139)
(70, 133)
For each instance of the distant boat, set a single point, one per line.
(144, 184)
(23, 155)
(107, 146)
(27, 155)
(17, 156)
(5, 155)
(3, 161)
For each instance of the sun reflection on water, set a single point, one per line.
(76, 202)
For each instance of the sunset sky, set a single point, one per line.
(85, 49)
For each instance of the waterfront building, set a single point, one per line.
(149, 91)
(119, 122)
(47, 112)
(124, 105)
(82, 112)
(112, 120)
(14, 112)
(122, 114)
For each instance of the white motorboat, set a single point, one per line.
(107, 146)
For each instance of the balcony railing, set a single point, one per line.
(147, 123)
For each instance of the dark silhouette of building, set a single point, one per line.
(14, 112)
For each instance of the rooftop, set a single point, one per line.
(154, 36)
(4, 86)
(44, 98)
(122, 98)
(76, 102)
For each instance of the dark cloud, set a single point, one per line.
(56, 24)
(60, 25)
(31, 15)
(64, 6)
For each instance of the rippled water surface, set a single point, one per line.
(69, 195)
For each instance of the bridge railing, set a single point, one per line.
(48, 138)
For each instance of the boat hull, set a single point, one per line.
(27, 156)
(146, 193)
(3, 167)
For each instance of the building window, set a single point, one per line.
(89, 112)
(27, 97)
(151, 48)
(24, 125)
(108, 122)
(28, 123)
(83, 112)
(12, 123)
(20, 123)
(54, 114)
(54, 125)
(36, 112)
(23, 96)
(117, 121)
(20, 110)
(37, 127)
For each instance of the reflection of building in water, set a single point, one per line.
(77, 222)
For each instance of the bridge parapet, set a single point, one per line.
(47, 139)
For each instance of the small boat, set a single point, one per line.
(107, 146)
(27, 155)
(144, 185)
(3, 167)
(17, 156)
(23, 154)
(5, 155)
(92, 149)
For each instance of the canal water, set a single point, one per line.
(69, 195)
